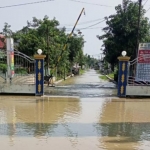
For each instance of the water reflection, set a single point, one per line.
(35, 117)
(124, 123)
(88, 123)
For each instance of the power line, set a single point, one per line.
(138, 29)
(37, 2)
(68, 29)
(92, 25)
(85, 22)
(91, 3)
(145, 2)
(92, 28)
(88, 27)
(148, 9)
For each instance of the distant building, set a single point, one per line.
(1, 41)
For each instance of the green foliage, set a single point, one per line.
(116, 75)
(3, 67)
(21, 71)
(61, 52)
(121, 32)
(105, 65)
(111, 75)
(103, 77)
(6, 30)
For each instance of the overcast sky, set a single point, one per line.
(66, 12)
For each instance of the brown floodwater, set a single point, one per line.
(87, 85)
(80, 113)
(74, 123)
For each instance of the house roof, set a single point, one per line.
(1, 43)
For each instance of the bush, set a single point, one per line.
(3, 67)
(116, 75)
(21, 70)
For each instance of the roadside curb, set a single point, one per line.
(112, 80)
(56, 82)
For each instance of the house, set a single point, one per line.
(2, 41)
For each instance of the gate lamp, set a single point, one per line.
(39, 51)
(124, 53)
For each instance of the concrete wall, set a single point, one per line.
(17, 88)
(138, 90)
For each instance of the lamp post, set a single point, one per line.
(138, 29)
(124, 53)
(39, 72)
(123, 74)
(39, 51)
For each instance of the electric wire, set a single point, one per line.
(92, 25)
(23, 4)
(145, 3)
(88, 27)
(85, 22)
(91, 3)
(69, 29)
(147, 9)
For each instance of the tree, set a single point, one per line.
(7, 32)
(76, 49)
(121, 32)
(61, 52)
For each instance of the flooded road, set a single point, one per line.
(87, 85)
(74, 123)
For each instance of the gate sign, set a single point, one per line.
(143, 62)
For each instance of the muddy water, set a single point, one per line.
(74, 123)
(80, 121)
(87, 85)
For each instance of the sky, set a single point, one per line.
(66, 12)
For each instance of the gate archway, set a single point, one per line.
(19, 77)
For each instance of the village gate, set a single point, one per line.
(134, 76)
(20, 73)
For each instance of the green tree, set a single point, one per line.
(121, 32)
(76, 49)
(61, 52)
(7, 32)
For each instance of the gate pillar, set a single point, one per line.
(39, 73)
(123, 74)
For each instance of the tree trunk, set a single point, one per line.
(112, 67)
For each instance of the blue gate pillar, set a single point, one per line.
(123, 74)
(39, 73)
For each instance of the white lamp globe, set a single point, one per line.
(124, 53)
(39, 51)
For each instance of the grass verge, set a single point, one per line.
(111, 75)
(81, 71)
(103, 77)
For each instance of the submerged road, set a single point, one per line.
(87, 85)
(89, 120)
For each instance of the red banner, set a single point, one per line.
(144, 56)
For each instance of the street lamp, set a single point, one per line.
(39, 51)
(124, 53)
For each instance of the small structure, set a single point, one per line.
(75, 69)
(2, 39)
(134, 76)
(20, 74)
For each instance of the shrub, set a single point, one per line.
(3, 67)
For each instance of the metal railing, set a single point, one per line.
(139, 72)
(24, 68)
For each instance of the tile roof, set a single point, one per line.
(1, 43)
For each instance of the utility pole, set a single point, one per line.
(138, 28)
(47, 50)
(124, 4)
